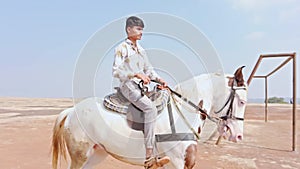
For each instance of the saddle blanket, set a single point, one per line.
(118, 103)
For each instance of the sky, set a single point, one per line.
(41, 41)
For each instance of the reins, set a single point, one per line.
(145, 89)
(229, 101)
(184, 119)
(192, 104)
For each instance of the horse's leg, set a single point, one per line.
(190, 156)
(95, 155)
(176, 152)
(175, 162)
(77, 150)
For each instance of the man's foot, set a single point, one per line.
(155, 162)
(161, 161)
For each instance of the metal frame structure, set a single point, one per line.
(288, 56)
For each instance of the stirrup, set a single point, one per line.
(155, 162)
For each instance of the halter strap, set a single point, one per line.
(229, 98)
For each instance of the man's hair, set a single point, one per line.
(134, 21)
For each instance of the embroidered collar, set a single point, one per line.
(137, 48)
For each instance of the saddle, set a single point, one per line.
(116, 102)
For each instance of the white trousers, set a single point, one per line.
(132, 92)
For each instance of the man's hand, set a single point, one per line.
(143, 77)
(163, 84)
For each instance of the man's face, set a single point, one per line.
(135, 32)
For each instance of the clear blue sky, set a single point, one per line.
(40, 41)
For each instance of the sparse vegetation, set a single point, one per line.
(276, 100)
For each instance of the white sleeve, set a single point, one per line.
(119, 70)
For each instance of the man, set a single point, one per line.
(131, 65)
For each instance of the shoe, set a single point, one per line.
(155, 162)
(161, 161)
(149, 163)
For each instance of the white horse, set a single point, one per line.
(90, 132)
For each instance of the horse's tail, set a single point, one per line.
(58, 140)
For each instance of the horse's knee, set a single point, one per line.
(190, 156)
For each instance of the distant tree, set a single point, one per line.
(276, 100)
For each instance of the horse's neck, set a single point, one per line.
(193, 89)
(221, 93)
(211, 88)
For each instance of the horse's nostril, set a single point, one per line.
(239, 137)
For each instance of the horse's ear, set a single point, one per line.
(238, 76)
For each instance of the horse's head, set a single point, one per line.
(232, 122)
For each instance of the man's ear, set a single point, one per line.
(128, 29)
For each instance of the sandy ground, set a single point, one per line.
(26, 125)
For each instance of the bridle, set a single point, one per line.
(229, 114)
